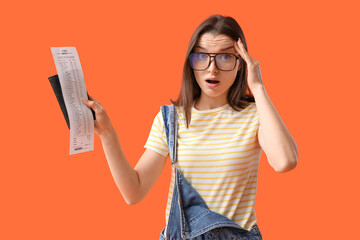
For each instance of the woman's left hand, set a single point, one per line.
(254, 78)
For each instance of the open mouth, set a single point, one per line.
(212, 81)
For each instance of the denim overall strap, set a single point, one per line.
(170, 122)
(189, 216)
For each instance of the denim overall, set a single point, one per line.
(189, 216)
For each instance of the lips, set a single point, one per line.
(211, 83)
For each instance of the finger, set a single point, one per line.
(92, 104)
(238, 50)
(245, 54)
(93, 99)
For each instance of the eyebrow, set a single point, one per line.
(219, 50)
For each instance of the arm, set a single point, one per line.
(133, 183)
(274, 138)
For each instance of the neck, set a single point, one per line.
(207, 103)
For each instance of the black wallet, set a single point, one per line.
(55, 84)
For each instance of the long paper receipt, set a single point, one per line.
(73, 87)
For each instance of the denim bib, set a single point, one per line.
(189, 216)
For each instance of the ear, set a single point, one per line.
(239, 65)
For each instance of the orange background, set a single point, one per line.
(308, 51)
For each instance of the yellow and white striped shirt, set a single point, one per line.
(219, 156)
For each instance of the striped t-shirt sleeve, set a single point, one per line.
(157, 137)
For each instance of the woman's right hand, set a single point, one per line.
(102, 124)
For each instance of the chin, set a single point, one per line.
(212, 93)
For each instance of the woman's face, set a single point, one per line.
(220, 43)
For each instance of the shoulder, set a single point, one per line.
(251, 111)
(251, 105)
(164, 112)
(250, 108)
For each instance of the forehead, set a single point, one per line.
(214, 43)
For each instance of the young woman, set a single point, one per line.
(223, 120)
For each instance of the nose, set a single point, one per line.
(212, 67)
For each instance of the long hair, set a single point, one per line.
(239, 95)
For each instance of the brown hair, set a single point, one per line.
(239, 94)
